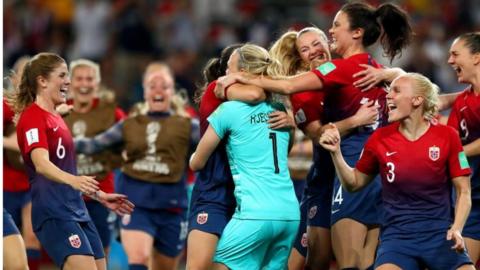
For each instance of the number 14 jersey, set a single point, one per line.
(416, 176)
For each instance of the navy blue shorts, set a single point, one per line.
(168, 228)
(420, 251)
(14, 202)
(301, 241)
(211, 210)
(364, 206)
(209, 220)
(63, 238)
(318, 213)
(103, 219)
(9, 227)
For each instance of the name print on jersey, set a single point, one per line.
(259, 118)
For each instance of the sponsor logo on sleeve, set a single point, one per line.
(434, 153)
(326, 68)
(75, 241)
(463, 160)
(32, 136)
(300, 117)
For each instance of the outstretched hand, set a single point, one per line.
(117, 203)
(330, 139)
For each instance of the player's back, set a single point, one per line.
(258, 161)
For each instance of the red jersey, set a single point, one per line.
(208, 105)
(14, 180)
(38, 128)
(416, 175)
(465, 116)
(342, 99)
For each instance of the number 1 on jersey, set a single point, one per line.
(273, 137)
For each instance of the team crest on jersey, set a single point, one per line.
(304, 241)
(75, 241)
(434, 153)
(202, 218)
(312, 212)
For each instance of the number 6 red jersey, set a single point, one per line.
(38, 128)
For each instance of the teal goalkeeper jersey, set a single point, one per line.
(258, 160)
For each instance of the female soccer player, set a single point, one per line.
(355, 27)
(418, 161)
(261, 232)
(213, 202)
(59, 217)
(90, 116)
(297, 52)
(153, 175)
(465, 117)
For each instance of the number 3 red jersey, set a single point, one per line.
(416, 176)
(38, 128)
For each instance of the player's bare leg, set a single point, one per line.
(319, 248)
(348, 240)
(201, 248)
(473, 247)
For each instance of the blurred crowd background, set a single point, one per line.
(124, 35)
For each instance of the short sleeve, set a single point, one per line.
(333, 74)
(457, 160)
(453, 118)
(368, 162)
(33, 132)
(307, 107)
(221, 119)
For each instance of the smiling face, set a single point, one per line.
(312, 47)
(56, 85)
(463, 61)
(340, 33)
(402, 99)
(158, 90)
(84, 84)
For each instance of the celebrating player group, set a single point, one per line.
(393, 183)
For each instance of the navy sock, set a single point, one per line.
(137, 267)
